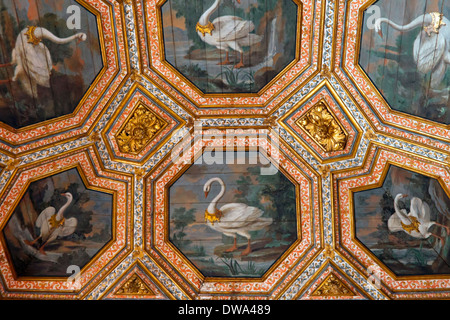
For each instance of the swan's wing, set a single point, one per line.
(239, 215)
(44, 216)
(416, 207)
(69, 227)
(35, 60)
(42, 222)
(394, 223)
(231, 28)
(429, 51)
(424, 215)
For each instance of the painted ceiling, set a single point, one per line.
(111, 109)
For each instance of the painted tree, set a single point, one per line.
(180, 219)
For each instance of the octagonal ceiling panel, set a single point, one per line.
(357, 67)
(58, 223)
(84, 73)
(381, 209)
(60, 217)
(404, 222)
(231, 47)
(46, 67)
(404, 56)
(232, 218)
(257, 264)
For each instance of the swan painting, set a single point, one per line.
(33, 60)
(402, 222)
(230, 46)
(227, 32)
(58, 222)
(52, 224)
(432, 46)
(233, 219)
(417, 222)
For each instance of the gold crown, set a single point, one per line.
(55, 223)
(436, 23)
(31, 36)
(213, 217)
(205, 29)
(413, 226)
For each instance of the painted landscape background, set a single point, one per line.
(205, 247)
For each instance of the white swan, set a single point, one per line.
(233, 218)
(227, 32)
(53, 225)
(417, 222)
(33, 59)
(432, 45)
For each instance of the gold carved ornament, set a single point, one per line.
(436, 23)
(213, 217)
(332, 287)
(139, 130)
(135, 286)
(205, 29)
(31, 36)
(325, 130)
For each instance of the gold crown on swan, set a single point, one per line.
(213, 217)
(31, 36)
(205, 29)
(436, 23)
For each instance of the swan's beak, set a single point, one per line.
(380, 33)
(238, 1)
(206, 194)
(404, 196)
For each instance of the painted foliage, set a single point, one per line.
(49, 56)
(58, 223)
(405, 223)
(258, 210)
(229, 46)
(406, 55)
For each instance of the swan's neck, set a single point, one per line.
(419, 21)
(43, 33)
(60, 214)
(212, 208)
(204, 19)
(404, 219)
